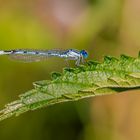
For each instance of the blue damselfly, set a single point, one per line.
(39, 55)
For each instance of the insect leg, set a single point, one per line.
(77, 63)
(83, 60)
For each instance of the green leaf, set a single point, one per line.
(92, 79)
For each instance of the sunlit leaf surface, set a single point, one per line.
(92, 79)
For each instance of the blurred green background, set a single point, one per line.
(102, 27)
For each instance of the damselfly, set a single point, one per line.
(39, 55)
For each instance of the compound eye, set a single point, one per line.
(84, 53)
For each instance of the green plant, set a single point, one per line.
(92, 79)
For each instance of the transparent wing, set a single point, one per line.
(36, 55)
(27, 58)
